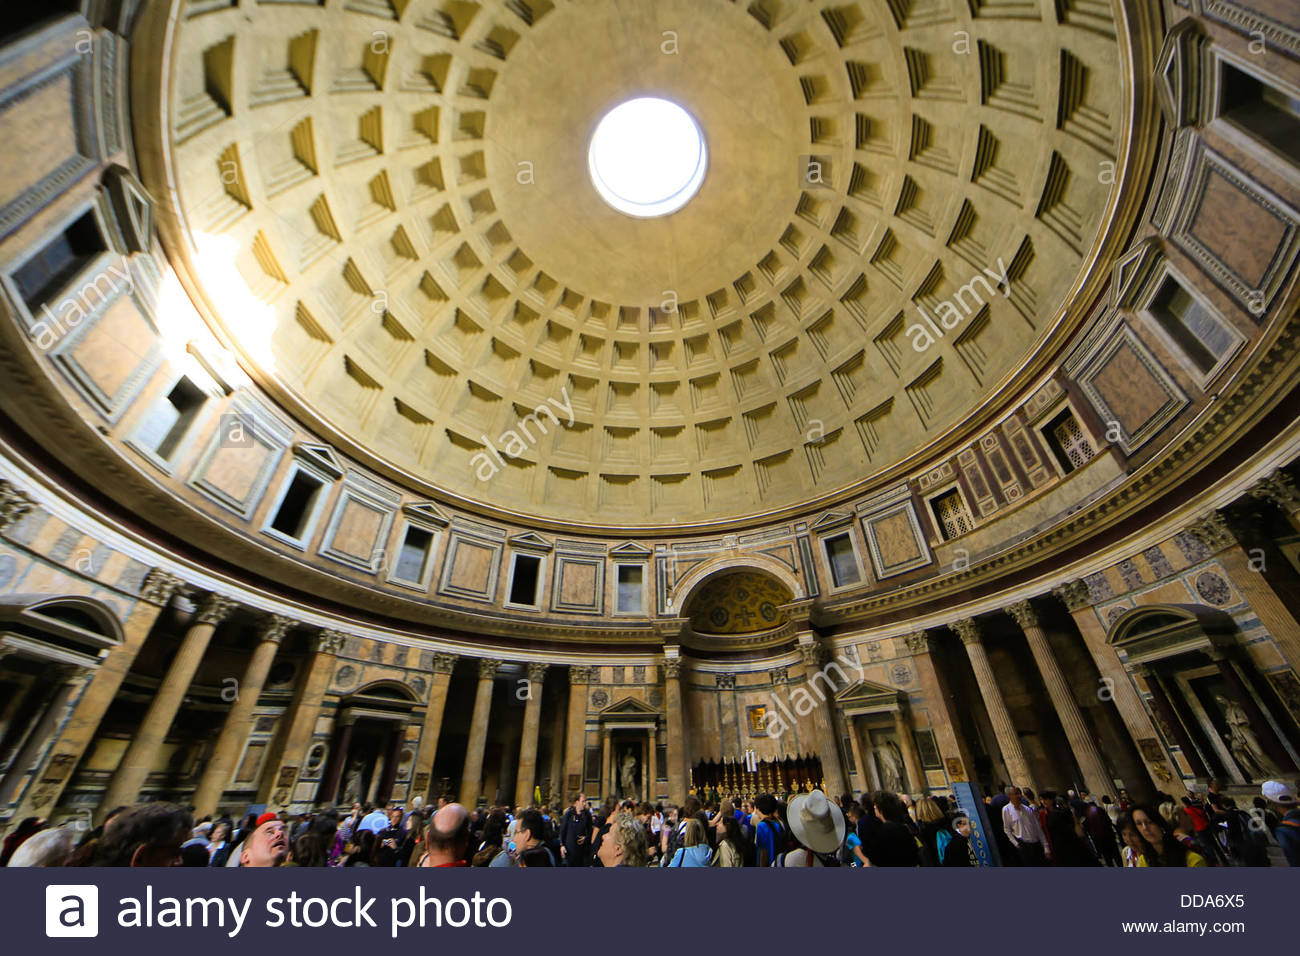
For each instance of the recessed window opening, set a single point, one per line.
(42, 277)
(629, 588)
(413, 557)
(1262, 110)
(296, 505)
(523, 583)
(843, 563)
(951, 515)
(1069, 445)
(170, 419)
(1201, 336)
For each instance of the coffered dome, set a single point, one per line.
(386, 208)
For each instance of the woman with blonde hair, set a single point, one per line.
(932, 830)
(694, 850)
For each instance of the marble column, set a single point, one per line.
(1003, 729)
(1116, 685)
(526, 775)
(823, 722)
(1273, 748)
(1087, 754)
(556, 775)
(471, 782)
(1166, 714)
(859, 757)
(726, 691)
(675, 730)
(440, 680)
(234, 730)
(65, 683)
(156, 591)
(328, 794)
(607, 789)
(298, 723)
(651, 774)
(1213, 531)
(787, 740)
(393, 756)
(142, 755)
(907, 743)
(944, 720)
(575, 735)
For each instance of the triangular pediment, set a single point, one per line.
(867, 692)
(629, 707)
(322, 456)
(132, 207)
(426, 512)
(831, 520)
(528, 541)
(630, 549)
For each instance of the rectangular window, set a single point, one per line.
(296, 506)
(19, 18)
(1069, 444)
(170, 419)
(843, 562)
(413, 558)
(1260, 109)
(1199, 333)
(523, 583)
(629, 588)
(951, 515)
(42, 277)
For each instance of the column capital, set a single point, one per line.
(488, 667)
(813, 654)
(158, 586)
(672, 668)
(330, 641)
(579, 674)
(918, 642)
(215, 609)
(444, 663)
(1074, 595)
(274, 627)
(967, 630)
(1213, 532)
(537, 671)
(725, 681)
(1279, 489)
(780, 675)
(13, 504)
(1024, 614)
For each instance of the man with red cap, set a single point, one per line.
(267, 845)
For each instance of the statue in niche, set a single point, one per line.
(352, 782)
(890, 762)
(627, 768)
(1242, 742)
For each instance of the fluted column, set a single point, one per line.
(907, 742)
(652, 765)
(1213, 531)
(1165, 712)
(234, 731)
(142, 754)
(298, 723)
(527, 771)
(556, 773)
(575, 734)
(859, 756)
(471, 781)
(944, 720)
(726, 690)
(607, 788)
(422, 775)
(394, 755)
(1116, 683)
(823, 721)
(676, 736)
(328, 794)
(156, 590)
(1003, 728)
(1086, 752)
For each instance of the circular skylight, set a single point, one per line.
(647, 157)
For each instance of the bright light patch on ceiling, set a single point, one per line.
(647, 157)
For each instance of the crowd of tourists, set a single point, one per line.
(878, 829)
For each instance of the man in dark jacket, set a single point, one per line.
(575, 833)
